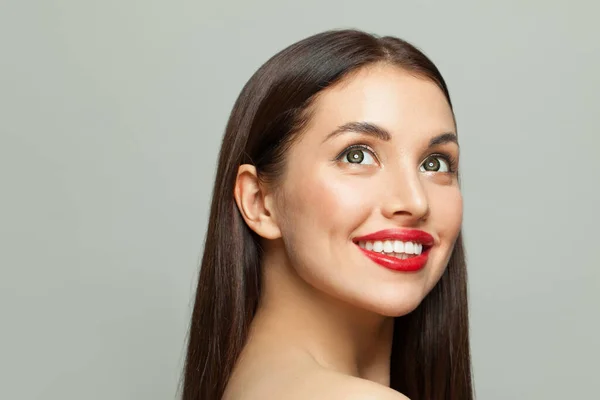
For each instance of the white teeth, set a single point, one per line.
(398, 246)
(388, 246)
(377, 246)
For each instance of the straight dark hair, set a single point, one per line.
(430, 351)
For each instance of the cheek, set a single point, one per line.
(446, 207)
(321, 214)
(327, 204)
(447, 211)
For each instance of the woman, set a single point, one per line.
(333, 265)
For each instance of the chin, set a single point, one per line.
(396, 304)
(397, 310)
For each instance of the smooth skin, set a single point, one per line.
(323, 329)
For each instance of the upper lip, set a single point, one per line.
(405, 235)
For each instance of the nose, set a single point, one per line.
(405, 198)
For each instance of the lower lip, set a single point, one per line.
(397, 264)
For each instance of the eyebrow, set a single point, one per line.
(380, 133)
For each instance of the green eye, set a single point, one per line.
(357, 155)
(435, 163)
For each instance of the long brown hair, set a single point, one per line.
(430, 351)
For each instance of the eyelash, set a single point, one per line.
(452, 161)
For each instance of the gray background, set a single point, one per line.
(111, 118)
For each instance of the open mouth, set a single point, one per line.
(397, 249)
(394, 248)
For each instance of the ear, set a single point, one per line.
(254, 203)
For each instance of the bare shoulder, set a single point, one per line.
(367, 390)
(265, 371)
(314, 384)
(332, 385)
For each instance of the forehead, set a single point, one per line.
(387, 96)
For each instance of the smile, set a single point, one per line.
(397, 249)
(394, 248)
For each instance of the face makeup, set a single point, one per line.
(404, 250)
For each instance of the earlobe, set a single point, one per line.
(251, 200)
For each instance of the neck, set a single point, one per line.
(337, 335)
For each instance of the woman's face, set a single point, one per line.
(379, 154)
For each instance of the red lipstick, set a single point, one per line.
(410, 264)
